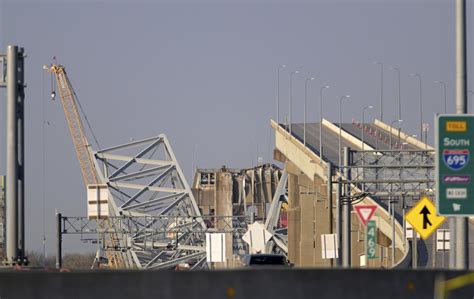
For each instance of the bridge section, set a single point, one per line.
(391, 169)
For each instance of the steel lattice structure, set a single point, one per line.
(393, 172)
(145, 181)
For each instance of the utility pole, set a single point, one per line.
(462, 228)
(339, 221)
(347, 210)
(13, 80)
(59, 240)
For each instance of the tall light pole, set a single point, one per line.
(291, 97)
(462, 224)
(305, 100)
(391, 127)
(445, 97)
(471, 92)
(340, 125)
(281, 66)
(321, 123)
(421, 103)
(381, 89)
(399, 91)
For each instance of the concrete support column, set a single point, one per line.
(293, 219)
(223, 209)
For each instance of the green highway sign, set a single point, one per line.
(455, 164)
(371, 239)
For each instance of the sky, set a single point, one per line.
(205, 74)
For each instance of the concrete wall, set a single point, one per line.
(245, 284)
(308, 218)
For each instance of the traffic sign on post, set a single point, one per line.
(454, 167)
(423, 217)
(371, 240)
(365, 212)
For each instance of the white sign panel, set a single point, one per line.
(329, 246)
(442, 240)
(257, 237)
(215, 247)
(97, 201)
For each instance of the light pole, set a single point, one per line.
(281, 66)
(381, 89)
(421, 103)
(340, 126)
(291, 96)
(305, 100)
(321, 123)
(391, 127)
(399, 93)
(470, 92)
(445, 98)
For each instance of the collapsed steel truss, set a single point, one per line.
(145, 180)
(160, 234)
(153, 217)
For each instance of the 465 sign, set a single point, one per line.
(455, 159)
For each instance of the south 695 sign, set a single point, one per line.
(454, 166)
(455, 159)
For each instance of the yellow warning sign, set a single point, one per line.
(423, 217)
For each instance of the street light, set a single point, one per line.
(445, 98)
(280, 67)
(340, 125)
(381, 88)
(399, 93)
(391, 127)
(305, 100)
(470, 92)
(321, 123)
(291, 96)
(421, 104)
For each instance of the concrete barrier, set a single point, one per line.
(248, 284)
(407, 138)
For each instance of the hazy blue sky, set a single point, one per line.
(204, 73)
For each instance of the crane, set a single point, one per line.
(81, 145)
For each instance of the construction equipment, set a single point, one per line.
(145, 189)
(81, 144)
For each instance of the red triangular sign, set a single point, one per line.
(365, 212)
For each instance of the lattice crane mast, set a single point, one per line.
(81, 144)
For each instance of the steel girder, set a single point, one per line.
(145, 181)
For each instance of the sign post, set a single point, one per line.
(423, 217)
(371, 240)
(365, 212)
(454, 166)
